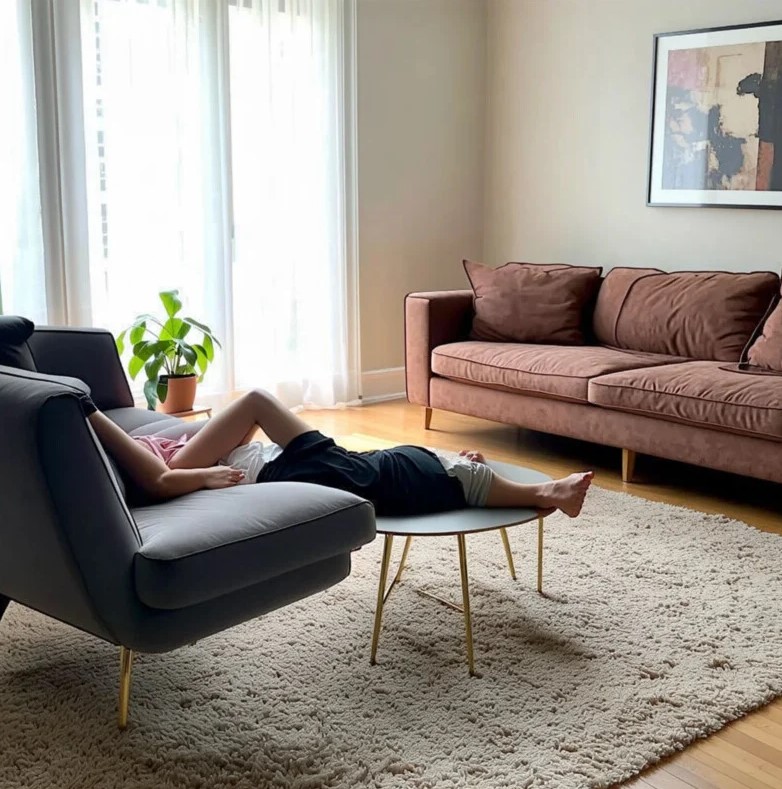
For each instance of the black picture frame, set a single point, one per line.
(709, 148)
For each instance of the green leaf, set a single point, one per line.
(171, 329)
(171, 302)
(209, 349)
(137, 332)
(187, 351)
(201, 358)
(150, 394)
(120, 342)
(134, 366)
(204, 328)
(152, 368)
(162, 390)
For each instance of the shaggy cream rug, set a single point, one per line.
(660, 625)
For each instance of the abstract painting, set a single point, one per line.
(716, 131)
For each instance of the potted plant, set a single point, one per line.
(164, 349)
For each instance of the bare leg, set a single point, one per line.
(565, 494)
(235, 426)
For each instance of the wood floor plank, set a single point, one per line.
(730, 779)
(737, 773)
(698, 778)
(660, 778)
(746, 754)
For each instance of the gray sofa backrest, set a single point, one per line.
(88, 354)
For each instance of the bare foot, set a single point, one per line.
(472, 454)
(568, 494)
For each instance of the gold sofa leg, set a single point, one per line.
(125, 669)
(427, 418)
(628, 465)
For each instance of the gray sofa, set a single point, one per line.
(151, 578)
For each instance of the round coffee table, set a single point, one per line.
(458, 523)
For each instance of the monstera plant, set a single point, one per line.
(174, 352)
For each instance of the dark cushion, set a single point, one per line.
(14, 350)
(213, 542)
(766, 351)
(526, 302)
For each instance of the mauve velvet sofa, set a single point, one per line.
(666, 370)
(154, 577)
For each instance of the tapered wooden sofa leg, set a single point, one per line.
(427, 418)
(628, 465)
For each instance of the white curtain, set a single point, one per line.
(208, 146)
(290, 280)
(22, 283)
(155, 162)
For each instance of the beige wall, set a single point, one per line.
(568, 85)
(421, 78)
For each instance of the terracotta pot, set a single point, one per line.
(180, 395)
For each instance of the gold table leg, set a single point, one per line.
(381, 595)
(405, 551)
(506, 543)
(466, 602)
(125, 669)
(540, 554)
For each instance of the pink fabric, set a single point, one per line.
(163, 448)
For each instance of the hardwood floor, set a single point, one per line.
(748, 752)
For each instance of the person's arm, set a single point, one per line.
(149, 472)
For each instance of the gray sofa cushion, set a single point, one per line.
(140, 421)
(14, 350)
(214, 542)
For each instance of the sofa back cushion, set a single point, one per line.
(526, 302)
(708, 315)
(14, 350)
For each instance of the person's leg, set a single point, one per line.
(566, 494)
(235, 426)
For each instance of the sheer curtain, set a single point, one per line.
(215, 164)
(22, 283)
(291, 294)
(155, 162)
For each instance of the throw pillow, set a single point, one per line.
(766, 351)
(14, 350)
(527, 302)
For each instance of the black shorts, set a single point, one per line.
(404, 480)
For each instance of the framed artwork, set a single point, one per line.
(716, 120)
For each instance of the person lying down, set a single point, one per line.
(401, 481)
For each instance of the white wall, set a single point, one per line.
(421, 79)
(568, 84)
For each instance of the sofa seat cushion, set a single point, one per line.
(698, 393)
(210, 543)
(546, 370)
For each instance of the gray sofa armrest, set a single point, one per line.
(87, 354)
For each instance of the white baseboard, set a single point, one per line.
(385, 384)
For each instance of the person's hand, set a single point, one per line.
(222, 477)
